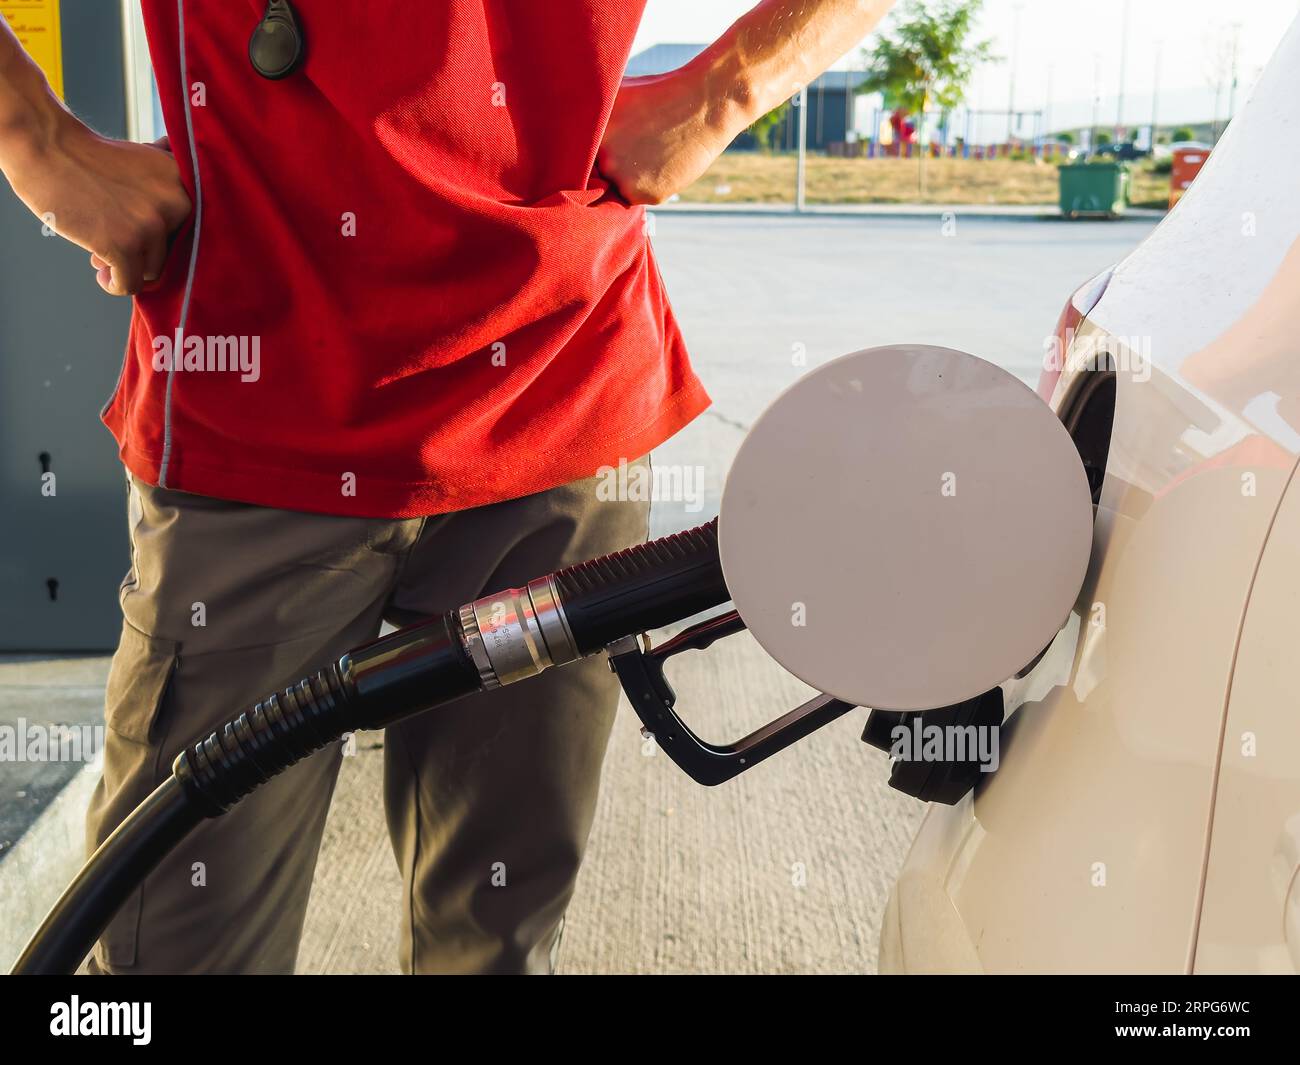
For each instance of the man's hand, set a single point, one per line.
(666, 130)
(661, 136)
(118, 200)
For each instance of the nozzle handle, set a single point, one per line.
(641, 673)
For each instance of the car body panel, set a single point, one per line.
(1090, 848)
(1250, 918)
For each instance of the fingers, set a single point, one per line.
(103, 273)
(176, 207)
(155, 255)
(117, 276)
(175, 210)
(136, 262)
(604, 171)
(122, 273)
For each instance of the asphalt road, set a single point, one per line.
(787, 868)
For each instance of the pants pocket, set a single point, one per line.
(138, 680)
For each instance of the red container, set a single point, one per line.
(1187, 164)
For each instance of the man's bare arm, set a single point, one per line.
(116, 199)
(667, 129)
(27, 106)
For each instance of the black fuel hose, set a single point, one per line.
(642, 588)
(107, 879)
(429, 664)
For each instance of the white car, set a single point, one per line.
(1145, 816)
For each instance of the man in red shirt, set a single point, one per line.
(395, 306)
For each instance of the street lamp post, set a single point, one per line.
(801, 102)
(1123, 71)
(1047, 108)
(1232, 91)
(1096, 103)
(1155, 96)
(1015, 63)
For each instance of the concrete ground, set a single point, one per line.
(787, 868)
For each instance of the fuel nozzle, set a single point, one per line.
(942, 771)
(495, 640)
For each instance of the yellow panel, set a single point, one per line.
(36, 24)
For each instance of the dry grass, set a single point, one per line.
(1149, 189)
(747, 177)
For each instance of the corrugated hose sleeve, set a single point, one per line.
(643, 587)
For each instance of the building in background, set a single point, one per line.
(834, 110)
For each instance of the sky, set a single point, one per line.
(1077, 45)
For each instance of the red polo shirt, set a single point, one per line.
(404, 289)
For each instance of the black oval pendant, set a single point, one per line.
(276, 47)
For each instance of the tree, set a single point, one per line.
(1184, 133)
(927, 58)
(763, 128)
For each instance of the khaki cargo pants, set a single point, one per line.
(226, 602)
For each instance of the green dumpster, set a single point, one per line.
(1098, 189)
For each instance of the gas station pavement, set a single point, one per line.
(788, 867)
